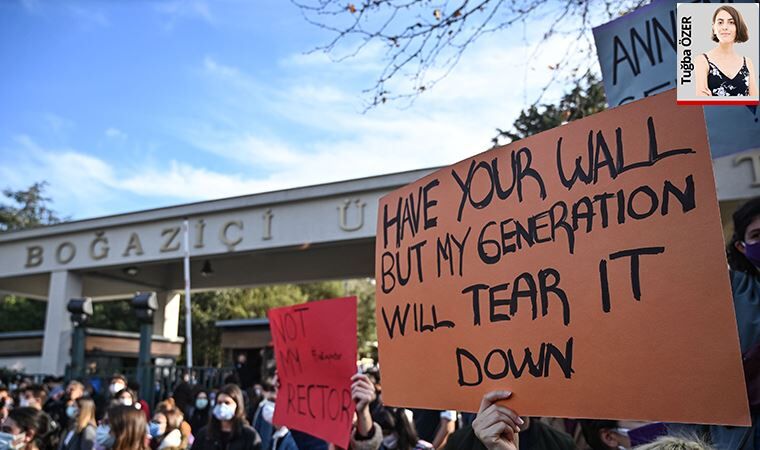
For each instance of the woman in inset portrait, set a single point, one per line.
(714, 68)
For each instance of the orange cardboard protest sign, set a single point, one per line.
(315, 350)
(582, 269)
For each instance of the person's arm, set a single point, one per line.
(700, 73)
(496, 426)
(363, 393)
(752, 78)
(446, 427)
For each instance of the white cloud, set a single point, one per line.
(115, 133)
(306, 127)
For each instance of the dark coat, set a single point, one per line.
(247, 439)
(84, 440)
(538, 437)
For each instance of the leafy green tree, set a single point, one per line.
(22, 314)
(209, 307)
(116, 315)
(586, 98)
(27, 209)
(18, 210)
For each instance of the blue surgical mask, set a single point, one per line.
(71, 411)
(103, 436)
(11, 441)
(224, 412)
(201, 403)
(154, 429)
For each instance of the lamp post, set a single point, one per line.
(144, 305)
(81, 310)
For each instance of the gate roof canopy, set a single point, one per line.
(311, 233)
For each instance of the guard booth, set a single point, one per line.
(247, 345)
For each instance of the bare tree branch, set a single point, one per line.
(423, 40)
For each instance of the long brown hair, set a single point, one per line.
(86, 415)
(129, 427)
(238, 420)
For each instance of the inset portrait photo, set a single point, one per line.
(718, 53)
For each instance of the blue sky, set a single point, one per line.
(127, 105)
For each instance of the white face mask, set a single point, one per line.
(224, 412)
(126, 401)
(116, 387)
(201, 403)
(267, 411)
(103, 436)
(390, 441)
(23, 402)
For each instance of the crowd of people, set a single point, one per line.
(80, 417)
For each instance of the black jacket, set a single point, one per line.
(247, 439)
(538, 436)
(84, 440)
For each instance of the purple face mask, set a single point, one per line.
(752, 252)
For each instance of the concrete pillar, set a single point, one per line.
(166, 317)
(56, 343)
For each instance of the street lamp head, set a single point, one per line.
(144, 304)
(80, 309)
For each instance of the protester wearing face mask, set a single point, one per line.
(228, 428)
(82, 431)
(125, 397)
(27, 429)
(201, 409)
(398, 430)
(33, 396)
(273, 437)
(743, 252)
(164, 431)
(174, 414)
(128, 428)
(104, 396)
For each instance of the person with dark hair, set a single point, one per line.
(199, 414)
(228, 428)
(31, 429)
(128, 428)
(743, 252)
(728, 28)
(34, 396)
(398, 429)
(605, 434)
(81, 434)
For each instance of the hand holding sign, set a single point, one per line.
(497, 426)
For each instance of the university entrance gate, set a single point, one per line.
(298, 235)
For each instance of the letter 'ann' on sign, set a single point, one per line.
(576, 266)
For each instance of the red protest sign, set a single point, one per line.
(315, 350)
